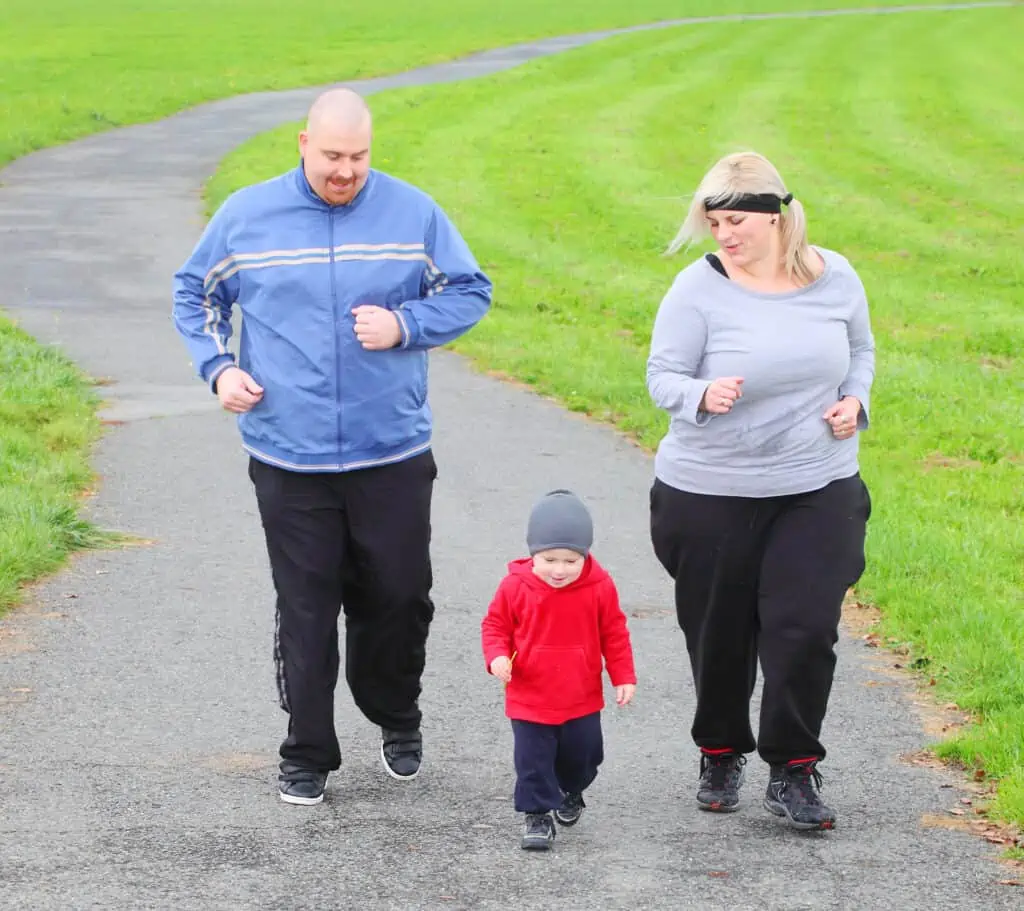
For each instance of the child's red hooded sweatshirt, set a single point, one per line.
(558, 636)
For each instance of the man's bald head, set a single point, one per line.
(335, 146)
(338, 109)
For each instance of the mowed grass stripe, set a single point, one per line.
(568, 176)
(74, 68)
(931, 151)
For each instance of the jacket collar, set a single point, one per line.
(303, 186)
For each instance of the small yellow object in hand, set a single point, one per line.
(510, 660)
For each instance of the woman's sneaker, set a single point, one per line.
(721, 775)
(539, 833)
(569, 813)
(793, 793)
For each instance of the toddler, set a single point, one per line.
(554, 622)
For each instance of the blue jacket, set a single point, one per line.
(297, 267)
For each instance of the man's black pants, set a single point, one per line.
(555, 759)
(761, 578)
(359, 540)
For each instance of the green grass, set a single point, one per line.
(567, 176)
(70, 68)
(47, 424)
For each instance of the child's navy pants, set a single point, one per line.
(555, 759)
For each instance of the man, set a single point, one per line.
(345, 277)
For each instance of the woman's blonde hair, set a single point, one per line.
(737, 175)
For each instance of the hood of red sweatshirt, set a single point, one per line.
(593, 572)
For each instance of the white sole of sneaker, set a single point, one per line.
(301, 801)
(392, 772)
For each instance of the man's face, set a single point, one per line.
(336, 160)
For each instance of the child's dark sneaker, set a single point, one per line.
(303, 787)
(793, 793)
(539, 833)
(569, 813)
(721, 775)
(402, 752)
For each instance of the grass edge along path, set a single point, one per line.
(585, 200)
(48, 425)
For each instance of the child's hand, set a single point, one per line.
(502, 668)
(624, 693)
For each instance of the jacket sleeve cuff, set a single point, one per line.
(216, 367)
(407, 326)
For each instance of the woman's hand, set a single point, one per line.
(842, 417)
(722, 394)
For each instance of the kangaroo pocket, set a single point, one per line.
(569, 679)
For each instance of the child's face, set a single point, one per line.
(558, 567)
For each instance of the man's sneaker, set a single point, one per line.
(402, 752)
(539, 833)
(304, 787)
(721, 775)
(793, 793)
(569, 813)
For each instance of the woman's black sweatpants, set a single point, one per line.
(761, 579)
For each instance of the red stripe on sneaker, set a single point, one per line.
(802, 761)
(708, 752)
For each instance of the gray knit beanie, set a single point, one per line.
(559, 519)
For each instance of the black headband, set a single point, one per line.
(749, 202)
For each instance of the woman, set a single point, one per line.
(762, 354)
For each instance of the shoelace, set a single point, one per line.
(724, 768)
(807, 780)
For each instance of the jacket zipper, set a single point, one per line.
(337, 330)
